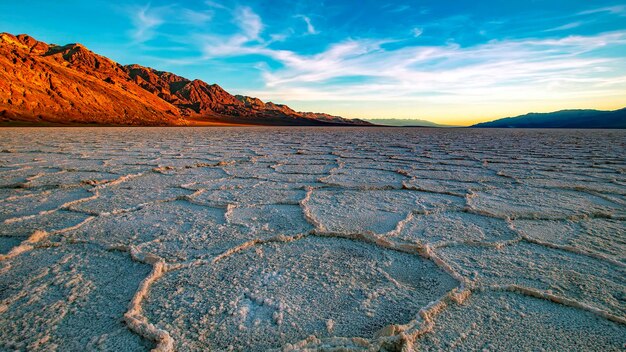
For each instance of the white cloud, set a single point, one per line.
(417, 32)
(531, 68)
(310, 29)
(619, 10)
(215, 5)
(279, 37)
(400, 8)
(245, 42)
(565, 27)
(521, 69)
(249, 22)
(145, 21)
(196, 18)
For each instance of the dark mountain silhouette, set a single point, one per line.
(563, 119)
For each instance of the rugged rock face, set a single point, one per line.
(43, 83)
(70, 84)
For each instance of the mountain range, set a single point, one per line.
(406, 123)
(563, 119)
(47, 84)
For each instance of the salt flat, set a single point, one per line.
(364, 239)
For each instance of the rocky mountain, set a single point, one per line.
(44, 83)
(563, 119)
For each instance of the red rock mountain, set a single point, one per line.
(49, 84)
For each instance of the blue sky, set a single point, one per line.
(446, 61)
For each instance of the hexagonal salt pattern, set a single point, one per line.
(312, 239)
(278, 293)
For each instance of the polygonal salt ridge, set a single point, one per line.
(613, 198)
(27, 158)
(246, 193)
(49, 222)
(444, 161)
(495, 319)
(567, 276)
(462, 174)
(364, 179)
(193, 172)
(266, 172)
(286, 219)
(379, 211)
(8, 195)
(133, 193)
(5, 168)
(296, 179)
(600, 238)
(7, 244)
(425, 160)
(41, 203)
(381, 162)
(195, 179)
(443, 228)
(65, 179)
(125, 170)
(177, 231)
(450, 187)
(18, 176)
(525, 202)
(555, 169)
(440, 162)
(65, 298)
(303, 156)
(356, 153)
(223, 183)
(318, 168)
(183, 161)
(598, 188)
(283, 292)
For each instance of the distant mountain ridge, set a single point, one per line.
(406, 123)
(562, 119)
(44, 83)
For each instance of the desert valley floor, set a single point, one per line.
(187, 239)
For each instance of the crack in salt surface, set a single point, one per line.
(38, 236)
(528, 291)
(409, 332)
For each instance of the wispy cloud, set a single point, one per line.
(396, 9)
(565, 27)
(193, 17)
(215, 4)
(145, 21)
(310, 29)
(520, 69)
(249, 22)
(619, 10)
(246, 41)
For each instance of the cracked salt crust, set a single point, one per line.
(311, 239)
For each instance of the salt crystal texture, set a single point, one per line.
(307, 239)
